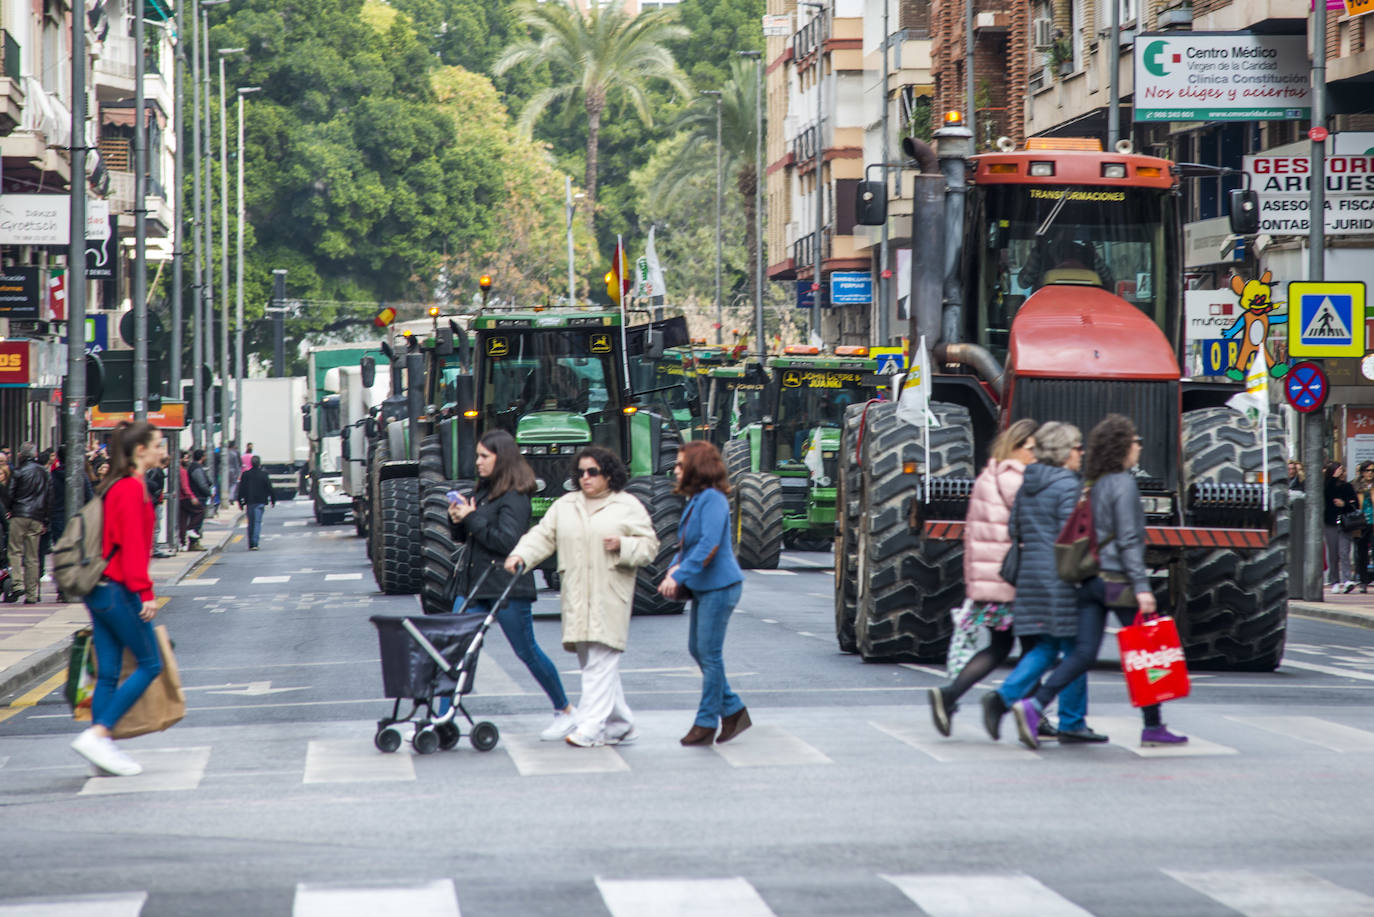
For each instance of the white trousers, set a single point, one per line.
(602, 710)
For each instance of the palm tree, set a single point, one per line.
(595, 53)
(739, 112)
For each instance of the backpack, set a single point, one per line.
(77, 564)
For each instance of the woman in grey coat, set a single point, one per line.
(1046, 609)
(1124, 584)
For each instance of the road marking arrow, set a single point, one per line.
(251, 689)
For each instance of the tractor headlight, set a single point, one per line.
(1254, 477)
(536, 450)
(569, 485)
(1158, 506)
(539, 485)
(823, 480)
(330, 489)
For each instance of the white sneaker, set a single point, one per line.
(628, 737)
(583, 741)
(563, 723)
(103, 754)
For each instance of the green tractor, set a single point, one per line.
(782, 465)
(557, 381)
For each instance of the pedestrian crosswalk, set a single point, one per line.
(1280, 892)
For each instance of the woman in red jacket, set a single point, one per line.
(122, 606)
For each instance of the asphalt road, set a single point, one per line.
(269, 798)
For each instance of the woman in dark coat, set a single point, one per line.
(1338, 499)
(1046, 609)
(489, 523)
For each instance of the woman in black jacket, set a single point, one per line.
(1338, 499)
(489, 523)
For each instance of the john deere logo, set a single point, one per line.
(497, 347)
(600, 343)
(1153, 58)
(792, 379)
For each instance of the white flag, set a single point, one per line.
(913, 405)
(649, 273)
(812, 458)
(1254, 401)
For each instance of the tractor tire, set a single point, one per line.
(906, 584)
(665, 509)
(738, 459)
(381, 453)
(847, 493)
(1235, 612)
(431, 461)
(758, 520)
(438, 550)
(398, 541)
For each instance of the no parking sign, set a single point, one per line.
(1305, 387)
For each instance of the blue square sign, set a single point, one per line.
(1326, 319)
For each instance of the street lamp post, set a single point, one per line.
(821, 9)
(74, 398)
(209, 216)
(568, 198)
(198, 394)
(720, 315)
(225, 367)
(140, 284)
(758, 200)
(238, 306)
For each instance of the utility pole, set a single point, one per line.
(568, 210)
(970, 68)
(720, 312)
(198, 396)
(279, 322)
(239, 367)
(74, 397)
(1114, 81)
(819, 168)
(1313, 422)
(225, 368)
(209, 214)
(174, 357)
(140, 284)
(884, 328)
(759, 106)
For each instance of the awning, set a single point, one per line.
(122, 113)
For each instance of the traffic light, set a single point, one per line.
(485, 283)
(116, 375)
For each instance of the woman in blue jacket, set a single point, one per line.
(705, 568)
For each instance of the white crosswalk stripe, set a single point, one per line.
(1328, 735)
(127, 904)
(164, 769)
(770, 746)
(968, 743)
(1284, 893)
(995, 895)
(430, 899)
(271, 579)
(682, 898)
(1125, 733)
(354, 761)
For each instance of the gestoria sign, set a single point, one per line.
(1221, 76)
(1284, 184)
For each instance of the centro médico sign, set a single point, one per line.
(1221, 76)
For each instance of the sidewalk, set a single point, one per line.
(1355, 609)
(34, 639)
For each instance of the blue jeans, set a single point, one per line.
(517, 622)
(706, 642)
(115, 625)
(1073, 699)
(255, 523)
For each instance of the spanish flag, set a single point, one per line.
(618, 278)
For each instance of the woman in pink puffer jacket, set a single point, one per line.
(988, 597)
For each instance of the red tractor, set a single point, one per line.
(1057, 297)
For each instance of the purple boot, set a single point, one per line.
(1154, 736)
(1027, 723)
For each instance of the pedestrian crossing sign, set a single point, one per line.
(1329, 319)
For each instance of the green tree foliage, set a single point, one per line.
(592, 57)
(717, 29)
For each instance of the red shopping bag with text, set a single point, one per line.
(1152, 659)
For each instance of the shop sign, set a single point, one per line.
(1284, 184)
(20, 292)
(1221, 76)
(172, 416)
(1358, 7)
(16, 362)
(35, 219)
(1359, 437)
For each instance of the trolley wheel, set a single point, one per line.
(388, 739)
(426, 741)
(484, 736)
(449, 734)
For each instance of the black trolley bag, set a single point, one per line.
(433, 656)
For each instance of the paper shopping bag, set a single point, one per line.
(163, 705)
(1152, 659)
(81, 675)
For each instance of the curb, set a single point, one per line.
(1324, 612)
(49, 660)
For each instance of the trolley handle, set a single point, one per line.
(476, 646)
(472, 590)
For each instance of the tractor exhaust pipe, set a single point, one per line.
(956, 146)
(976, 358)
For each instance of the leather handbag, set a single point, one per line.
(1352, 523)
(1011, 564)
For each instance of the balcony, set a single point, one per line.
(804, 251)
(807, 39)
(121, 198)
(804, 146)
(115, 69)
(11, 85)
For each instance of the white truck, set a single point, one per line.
(271, 422)
(356, 402)
(324, 421)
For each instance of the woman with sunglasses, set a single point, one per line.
(705, 564)
(1122, 587)
(601, 535)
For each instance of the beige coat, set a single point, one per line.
(597, 587)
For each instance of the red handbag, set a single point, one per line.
(1152, 660)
